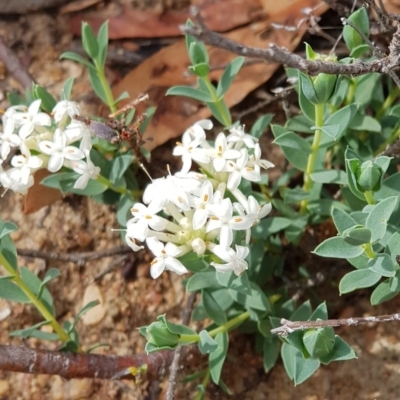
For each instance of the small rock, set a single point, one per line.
(4, 388)
(79, 389)
(95, 314)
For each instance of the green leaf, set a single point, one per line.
(357, 236)
(217, 358)
(307, 88)
(229, 75)
(119, 166)
(269, 226)
(257, 300)
(238, 283)
(177, 329)
(221, 113)
(52, 273)
(48, 102)
(69, 55)
(97, 86)
(8, 251)
(89, 41)
(295, 148)
(212, 308)
(298, 368)
(33, 331)
(379, 216)
(203, 280)
(6, 228)
(362, 122)
(302, 313)
(342, 220)
(383, 265)
(93, 188)
(193, 262)
(341, 352)
(122, 96)
(330, 176)
(206, 343)
(321, 312)
(35, 285)
(197, 51)
(271, 349)
(361, 20)
(260, 125)
(102, 41)
(382, 293)
(10, 291)
(319, 342)
(393, 246)
(190, 92)
(82, 312)
(67, 89)
(361, 278)
(124, 206)
(342, 119)
(337, 247)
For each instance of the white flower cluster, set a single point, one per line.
(44, 141)
(198, 215)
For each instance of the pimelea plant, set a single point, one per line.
(211, 224)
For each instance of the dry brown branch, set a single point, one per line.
(14, 66)
(292, 326)
(74, 257)
(81, 365)
(283, 56)
(186, 313)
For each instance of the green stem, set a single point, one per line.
(319, 120)
(219, 103)
(118, 189)
(204, 383)
(393, 95)
(369, 197)
(369, 250)
(35, 301)
(223, 328)
(350, 93)
(106, 87)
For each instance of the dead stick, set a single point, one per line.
(14, 66)
(74, 257)
(292, 326)
(73, 365)
(170, 394)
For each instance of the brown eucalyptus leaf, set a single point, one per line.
(169, 67)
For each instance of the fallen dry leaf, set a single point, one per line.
(40, 196)
(169, 66)
(127, 22)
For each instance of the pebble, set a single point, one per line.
(95, 314)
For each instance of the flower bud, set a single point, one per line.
(369, 176)
(158, 335)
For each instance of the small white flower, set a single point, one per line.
(65, 108)
(238, 135)
(201, 205)
(58, 151)
(143, 218)
(165, 257)
(75, 131)
(18, 180)
(255, 209)
(8, 138)
(196, 132)
(220, 153)
(26, 159)
(256, 161)
(132, 243)
(30, 118)
(87, 170)
(235, 261)
(241, 169)
(224, 220)
(189, 151)
(172, 189)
